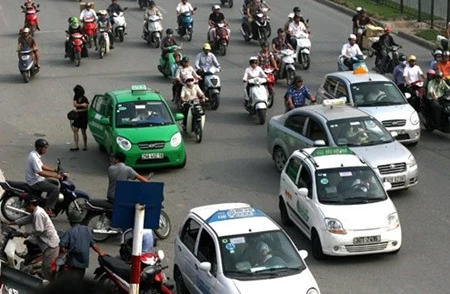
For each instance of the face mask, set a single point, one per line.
(404, 62)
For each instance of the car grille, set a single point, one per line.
(151, 145)
(392, 168)
(398, 184)
(366, 247)
(394, 123)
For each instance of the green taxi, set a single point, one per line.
(138, 122)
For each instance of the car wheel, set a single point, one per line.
(316, 246)
(279, 158)
(181, 286)
(285, 220)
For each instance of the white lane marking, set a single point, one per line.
(2, 16)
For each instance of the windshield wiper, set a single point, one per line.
(279, 269)
(356, 200)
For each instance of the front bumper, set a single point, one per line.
(400, 180)
(406, 135)
(172, 156)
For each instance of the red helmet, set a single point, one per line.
(388, 29)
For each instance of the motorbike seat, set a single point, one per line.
(118, 266)
(21, 186)
(101, 203)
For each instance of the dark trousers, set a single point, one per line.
(435, 112)
(293, 42)
(383, 59)
(52, 192)
(75, 273)
(186, 108)
(348, 63)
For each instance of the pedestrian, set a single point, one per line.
(297, 94)
(81, 104)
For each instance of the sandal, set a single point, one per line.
(74, 149)
(84, 148)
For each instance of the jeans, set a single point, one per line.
(383, 60)
(48, 257)
(52, 192)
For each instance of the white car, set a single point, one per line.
(339, 203)
(236, 248)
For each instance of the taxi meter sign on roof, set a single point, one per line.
(135, 88)
(235, 213)
(331, 151)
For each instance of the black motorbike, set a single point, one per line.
(260, 28)
(15, 193)
(415, 94)
(392, 60)
(27, 64)
(430, 120)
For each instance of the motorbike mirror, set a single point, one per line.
(39, 5)
(307, 20)
(407, 95)
(195, 8)
(125, 8)
(161, 254)
(104, 121)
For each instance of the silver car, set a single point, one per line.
(378, 96)
(342, 126)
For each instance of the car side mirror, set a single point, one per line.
(105, 121)
(179, 116)
(319, 143)
(303, 254)
(303, 192)
(125, 8)
(387, 186)
(205, 266)
(407, 95)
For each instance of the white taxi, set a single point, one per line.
(236, 248)
(338, 202)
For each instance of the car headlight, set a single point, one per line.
(123, 143)
(334, 226)
(312, 291)
(393, 221)
(412, 161)
(175, 141)
(414, 118)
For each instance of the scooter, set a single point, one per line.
(14, 281)
(287, 68)
(117, 271)
(220, 44)
(270, 84)
(418, 95)
(171, 68)
(152, 30)
(357, 63)
(212, 86)
(441, 123)
(89, 30)
(195, 121)
(303, 50)
(119, 24)
(260, 27)
(103, 42)
(15, 193)
(229, 2)
(259, 99)
(31, 18)
(76, 48)
(186, 25)
(27, 64)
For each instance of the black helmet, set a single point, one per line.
(40, 143)
(296, 9)
(402, 57)
(185, 59)
(280, 30)
(265, 44)
(298, 79)
(151, 3)
(31, 199)
(169, 32)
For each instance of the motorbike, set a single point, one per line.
(229, 2)
(76, 48)
(152, 31)
(441, 123)
(195, 121)
(89, 30)
(415, 94)
(31, 18)
(114, 274)
(443, 42)
(14, 195)
(171, 68)
(186, 25)
(103, 41)
(260, 27)
(220, 44)
(302, 53)
(357, 62)
(270, 84)
(391, 61)
(14, 281)
(287, 68)
(259, 99)
(119, 24)
(27, 64)
(211, 86)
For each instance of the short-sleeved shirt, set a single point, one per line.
(254, 8)
(280, 44)
(413, 74)
(264, 59)
(251, 73)
(437, 88)
(216, 18)
(191, 93)
(297, 29)
(182, 8)
(28, 42)
(118, 172)
(298, 96)
(33, 167)
(78, 240)
(444, 67)
(166, 42)
(398, 74)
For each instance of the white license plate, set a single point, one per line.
(152, 156)
(401, 132)
(397, 179)
(25, 57)
(366, 240)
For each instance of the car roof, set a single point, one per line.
(331, 157)
(128, 95)
(359, 78)
(234, 218)
(331, 113)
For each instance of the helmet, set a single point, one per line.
(359, 9)
(185, 59)
(352, 37)
(189, 79)
(102, 12)
(437, 52)
(40, 143)
(215, 7)
(446, 53)
(431, 72)
(291, 15)
(280, 30)
(151, 3)
(388, 29)
(253, 59)
(298, 79)
(206, 46)
(75, 216)
(89, 4)
(264, 44)
(402, 57)
(29, 198)
(439, 74)
(296, 9)
(26, 30)
(169, 32)
(413, 57)
(73, 20)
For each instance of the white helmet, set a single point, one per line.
(359, 9)
(26, 30)
(189, 77)
(291, 15)
(352, 37)
(216, 7)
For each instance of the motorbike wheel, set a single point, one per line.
(78, 58)
(97, 221)
(270, 98)
(89, 41)
(189, 34)
(230, 3)
(263, 38)
(222, 49)
(290, 76)
(109, 285)
(80, 202)
(13, 201)
(215, 101)
(121, 36)
(102, 50)
(179, 104)
(165, 226)
(261, 116)
(306, 61)
(424, 120)
(26, 75)
(268, 30)
(198, 132)
(157, 42)
(246, 37)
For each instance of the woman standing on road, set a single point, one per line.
(81, 104)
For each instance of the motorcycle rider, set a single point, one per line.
(413, 73)
(184, 71)
(205, 59)
(286, 26)
(280, 43)
(43, 232)
(398, 73)
(114, 7)
(30, 5)
(386, 42)
(444, 65)
(354, 18)
(183, 7)
(252, 8)
(74, 27)
(267, 58)
(253, 71)
(89, 13)
(437, 54)
(296, 28)
(361, 22)
(190, 92)
(152, 10)
(104, 22)
(297, 94)
(118, 171)
(349, 50)
(215, 18)
(165, 44)
(436, 89)
(27, 41)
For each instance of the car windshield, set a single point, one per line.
(349, 185)
(142, 114)
(358, 131)
(376, 94)
(259, 256)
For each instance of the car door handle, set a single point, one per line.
(196, 266)
(179, 248)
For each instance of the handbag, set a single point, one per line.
(73, 115)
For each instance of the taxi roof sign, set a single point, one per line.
(334, 102)
(360, 70)
(234, 213)
(331, 151)
(135, 88)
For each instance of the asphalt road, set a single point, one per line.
(231, 164)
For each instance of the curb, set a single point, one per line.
(411, 38)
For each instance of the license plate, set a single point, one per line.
(395, 179)
(25, 57)
(366, 240)
(401, 132)
(152, 156)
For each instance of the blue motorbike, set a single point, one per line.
(186, 25)
(357, 62)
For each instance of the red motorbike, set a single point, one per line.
(89, 29)
(31, 19)
(76, 47)
(270, 84)
(220, 44)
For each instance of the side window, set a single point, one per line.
(189, 234)
(341, 90)
(305, 180)
(108, 107)
(296, 123)
(316, 132)
(292, 168)
(330, 85)
(99, 104)
(207, 251)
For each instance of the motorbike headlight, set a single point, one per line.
(123, 143)
(414, 118)
(393, 221)
(312, 291)
(334, 226)
(175, 141)
(412, 161)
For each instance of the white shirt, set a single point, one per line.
(34, 166)
(251, 73)
(413, 74)
(181, 8)
(205, 61)
(183, 72)
(297, 29)
(88, 14)
(350, 51)
(188, 94)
